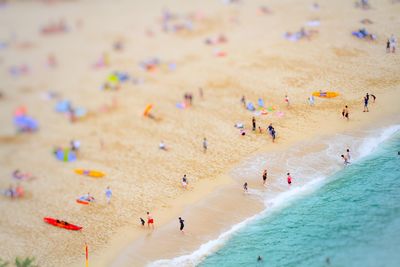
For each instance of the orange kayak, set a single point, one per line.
(61, 224)
(91, 173)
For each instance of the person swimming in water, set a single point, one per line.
(259, 258)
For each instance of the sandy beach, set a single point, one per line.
(255, 61)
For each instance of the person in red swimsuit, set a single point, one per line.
(150, 220)
(289, 179)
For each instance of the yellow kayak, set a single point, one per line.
(325, 94)
(91, 173)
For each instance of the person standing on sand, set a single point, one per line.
(366, 99)
(273, 134)
(287, 101)
(108, 194)
(345, 160)
(205, 145)
(150, 220)
(243, 101)
(388, 46)
(393, 42)
(270, 127)
(311, 100)
(345, 112)
(184, 181)
(289, 179)
(182, 225)
(348, 154)
(264, 176)
(142, 222)
(201, 93)
(253, 121)
(245, 189)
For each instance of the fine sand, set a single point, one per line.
(259, 62)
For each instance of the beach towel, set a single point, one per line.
(250, 106)
(65, 155)
(25, 123)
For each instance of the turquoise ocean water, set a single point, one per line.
(352, 220)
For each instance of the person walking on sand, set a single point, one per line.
(345, 112)
(253, 121)
(108, 194)
(182, 225)
(270, 127)
(287, 101)
(150, 220)
(243, 101)
(289, 179)
(264, 176)
(311, 100)
(273, 134)
(184, 181)
(205, 145)
(245, 189)
(345, 160)
(393, 42)
(388, 46)
(366, 99)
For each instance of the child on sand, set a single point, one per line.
(150, 220)
(289, 179)
(253, 121)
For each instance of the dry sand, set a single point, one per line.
(259, 63)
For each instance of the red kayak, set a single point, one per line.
(61, 224)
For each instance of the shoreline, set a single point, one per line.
(252, 59)
(229, 184)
